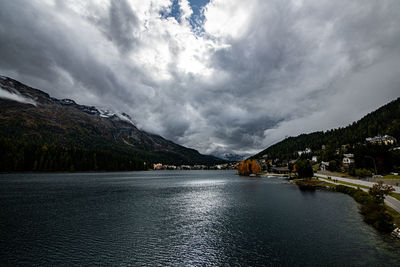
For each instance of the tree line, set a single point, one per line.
(385, 120)
(19, 156)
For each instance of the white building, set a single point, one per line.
(323, 166)
(348, 159)
(381, 140)
(306, 151)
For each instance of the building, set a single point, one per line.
(306, 151)
(324, 165)
(381, 140)
(347, 160)
(314, 159)
(158, 166)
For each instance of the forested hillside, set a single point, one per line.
(41, 133)
(385, 120)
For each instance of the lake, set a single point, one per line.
(181, 218)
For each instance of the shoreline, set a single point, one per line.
(362, 197)
(274, 175)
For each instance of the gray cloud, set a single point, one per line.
(122, 24)
(288, 67)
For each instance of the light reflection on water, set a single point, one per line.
(181, 218)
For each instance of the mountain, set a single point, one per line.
(385, 120)
(32, 120)
(234, 157)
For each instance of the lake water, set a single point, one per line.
(181, 218)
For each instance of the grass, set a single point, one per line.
(395, 215)
(395, 195)
(346, 183)
(391, 177)
(315, 167)
(356, 185)
(311, 184)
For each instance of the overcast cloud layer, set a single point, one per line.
(236, 78)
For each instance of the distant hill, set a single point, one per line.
(39, 132)
(234, 157)
(385, 120)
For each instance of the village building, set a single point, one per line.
(158, 166)
(306, 151)
(324, 165)
(348, 159)
(314, 159)
(381, 140)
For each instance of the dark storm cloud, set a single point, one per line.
(122, 24)
(37, 44)
(258, 71)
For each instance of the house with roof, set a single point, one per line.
(324, 165)
(381, 140)
(348, 159)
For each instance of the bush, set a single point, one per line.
(304, 169)
(377, 216)
(374, 212)
(379, 191)
(362, 172)
(345, 189)
(361, 197)
(332, 165)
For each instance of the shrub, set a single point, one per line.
(373, 211)
(304, 169)
(332, 165)
(362, 172)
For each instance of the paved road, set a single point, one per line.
(390, 201)
(393, 203)
(355, 181)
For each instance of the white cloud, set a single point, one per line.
(258, 70)
(228, 19)
(16, 97)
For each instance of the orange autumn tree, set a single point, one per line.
(247, 167)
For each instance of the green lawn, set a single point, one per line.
(346, 183)
(340, 174)
(315, 167)
(396, 196)
(395, 215)
(390, 176)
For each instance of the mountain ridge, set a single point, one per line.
(31, 116)
(384, 120)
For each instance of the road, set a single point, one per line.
(390, 201)
(355, 181)
(393, 203)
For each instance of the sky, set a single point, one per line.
(218, 76)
